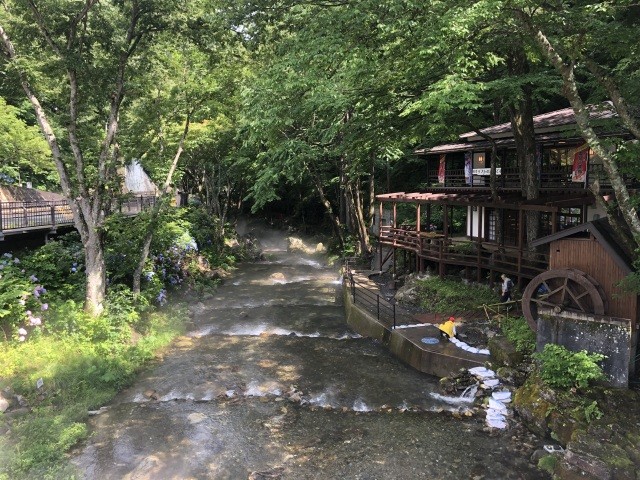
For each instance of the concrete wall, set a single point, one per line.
(442, 359)
(606, 335)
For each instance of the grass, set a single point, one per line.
(439, 295)
(77, 376)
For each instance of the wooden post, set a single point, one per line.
(380, 210)
(1, 234)
(395, 214)
(479, 256)
(520, 242)
(445, 240)
(554, 221)
(53, 217)
(24, 212)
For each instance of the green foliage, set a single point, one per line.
(24, 154)
(548, 463)
(446, 296)
(59, 265)
(81, 372)
(15, 297)
(561, 368)
(592, 412)
(518, 332)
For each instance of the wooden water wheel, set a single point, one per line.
(562, 289)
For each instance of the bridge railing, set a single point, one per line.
(21, 217)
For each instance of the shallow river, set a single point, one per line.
(271, 383)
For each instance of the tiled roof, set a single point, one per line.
(10, 193)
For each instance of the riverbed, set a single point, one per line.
(270, 382)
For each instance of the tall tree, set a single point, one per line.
(74, 62)
(584, 39)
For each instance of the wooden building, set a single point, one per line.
(579, 302)
(490, 237)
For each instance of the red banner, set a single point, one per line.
(441, 169)
(580, 164)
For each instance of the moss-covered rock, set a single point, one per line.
(503, 352)
(534, 402)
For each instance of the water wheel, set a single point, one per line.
(562, 289)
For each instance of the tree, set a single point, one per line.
(73, 61)
(24, 154)
(587, 41)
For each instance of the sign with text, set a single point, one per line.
(485, 171)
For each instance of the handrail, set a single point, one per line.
(384, 311)
(19, 217)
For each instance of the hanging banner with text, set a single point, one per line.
(580, 164)
(441, 169)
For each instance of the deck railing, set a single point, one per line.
(551, 177)
(465, 253)
(22, 217)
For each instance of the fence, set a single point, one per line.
(20, 217)
(385, 312)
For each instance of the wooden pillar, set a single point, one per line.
(520, 243)
(554, 221)
(479, 257)
(418, 218)
(445, 240)
(380, 210)
(395, 214)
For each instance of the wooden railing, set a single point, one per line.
(22, 217)
(436, 248)
(551, 177)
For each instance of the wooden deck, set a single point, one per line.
(485, 257)
(17, 218)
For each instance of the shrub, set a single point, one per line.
(59, 265)
(446, 296)
(518, 332)
(561, 368)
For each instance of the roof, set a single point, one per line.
(551, 126)
(10, 193)
(513, 201)
(604, 234)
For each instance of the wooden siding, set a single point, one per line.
(587, 254)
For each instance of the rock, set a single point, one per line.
(277, 276)
(533, 402)
(297, 245)
(4, 404)
(503, 352)
(22, 401)
(320, 248)
(197, 309)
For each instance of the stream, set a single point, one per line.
(270, 382)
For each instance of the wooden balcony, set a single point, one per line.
(486, 257)
(551, 178)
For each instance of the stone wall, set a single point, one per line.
(609, 336)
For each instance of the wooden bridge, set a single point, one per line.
(17, 218)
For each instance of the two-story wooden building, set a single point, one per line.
(488, 236)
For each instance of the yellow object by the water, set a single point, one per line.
(448, 327)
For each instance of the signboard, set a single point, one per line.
(485, 171)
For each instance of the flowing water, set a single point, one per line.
(271, 383)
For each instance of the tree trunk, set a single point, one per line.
(626, 206)
(96, 273)
(524, 137)
(155, 211)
